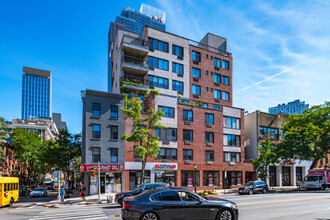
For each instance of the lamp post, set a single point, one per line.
(99, 183)
(195, 167)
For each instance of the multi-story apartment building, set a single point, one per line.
(133, 21)
(258, 127)
(36, 93)
(295, 107)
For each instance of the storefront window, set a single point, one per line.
(210, 178)
(165, 176)
(233, 178)
(112, 183)
(135, 178)
(188, 178)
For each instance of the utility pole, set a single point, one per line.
(99, 183)
(195, 167)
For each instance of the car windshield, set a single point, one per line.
(138, 187)
(249, 183)
(38, 190)
(310, 178)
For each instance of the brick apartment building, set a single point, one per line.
(194, 80)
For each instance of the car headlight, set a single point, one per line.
(234, 206)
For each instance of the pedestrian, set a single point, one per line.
(83, 190)
(79, 187)
(62, 193)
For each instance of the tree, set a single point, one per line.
(28, 150)
(267, 156)
(5, 133)
(307, 135)
(143, 128)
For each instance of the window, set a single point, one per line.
(216, 107)
(207, 89)
(187, 154)
(210, 178)
(177, 50)
(170, 196)
(266, 132)
(196, 56)
(158, 45)
(95, 154)
(113, 155)
(156, 197)
(196, 73)
(187, 115)
(158, 82)
(196, 90)
(230, 122)
(217, 62)
(217, 78)
(207, 56)
(113, 111)
(225, 80)
(158, 63)
(217, 94)
(114, 132)
(96, 131)
(225, 96)
(185, 196)
(209, 155)
(187, 135)
(231, 157)
(209, 137)
(225, 64)
(135, 154)
(96, 112)
(168, 134)
(282, 134)
(177, 86)
(167, 153)
(207, 72)
(188, 178)
(211, 57)
(209, 118)
(231, 140)
(169, 112)
(177, 68)
(185, 101)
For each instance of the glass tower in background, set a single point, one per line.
(36, 93)
(134, 21)
(295, 107)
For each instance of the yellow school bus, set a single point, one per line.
(8, 191)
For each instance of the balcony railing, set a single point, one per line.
(207, 47)
(134, 41)
(135, 61)
(133, 79)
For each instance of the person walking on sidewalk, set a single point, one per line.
(62, 193)
(83, 190)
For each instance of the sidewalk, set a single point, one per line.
(75, 200)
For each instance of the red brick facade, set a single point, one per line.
(207, 81)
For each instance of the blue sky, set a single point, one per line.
(280, 48)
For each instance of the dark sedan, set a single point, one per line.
(252, 187)
(176, 203)
(144, 187)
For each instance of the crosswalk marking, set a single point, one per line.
(72, 213)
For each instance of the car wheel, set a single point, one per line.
(225, 215)
(264, 190)
(251, 191)
(322, 187)
(150, 216)
(11, 202)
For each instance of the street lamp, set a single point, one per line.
(195, 167)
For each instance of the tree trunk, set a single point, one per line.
(314, 163)
(143, 168)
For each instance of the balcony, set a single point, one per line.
(135, 46)
(134, 65)
(133, 82)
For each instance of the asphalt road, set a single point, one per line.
(312, 205)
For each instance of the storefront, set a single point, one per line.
(210, 178)
(189, 178)
(272, 176)
(232, 178)
(111, 178)
(154, 172)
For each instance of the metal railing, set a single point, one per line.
(207, 47)
(133, 79)
(134, 41)
(135, 61)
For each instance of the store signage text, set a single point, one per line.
(103, 167)
(165, 166)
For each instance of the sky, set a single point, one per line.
(280, 48)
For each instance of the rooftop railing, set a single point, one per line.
(207, 47)
(134, 41)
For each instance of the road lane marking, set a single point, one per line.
(287, 200)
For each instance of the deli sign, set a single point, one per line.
(165, 166)
(103, 167)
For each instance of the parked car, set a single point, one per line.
(38, 192)
(144, 187)
(176, 203)
(23, 191)
(252, 187)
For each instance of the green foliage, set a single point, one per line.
(307, 135)
(267, 156)
(143, 128)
